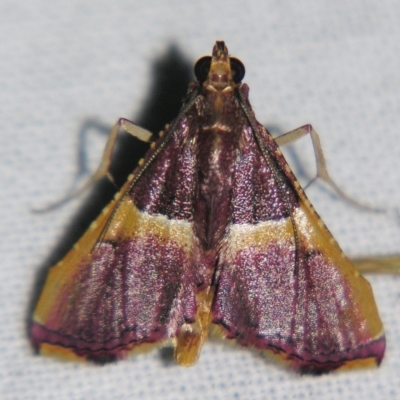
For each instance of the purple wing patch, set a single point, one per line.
(307, 312)
(122, 298)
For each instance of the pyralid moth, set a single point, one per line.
(211, 234)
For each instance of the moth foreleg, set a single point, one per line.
(322, 171)
(127, 126)
(103, 169)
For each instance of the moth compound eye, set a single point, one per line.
(202, 68)
(238, 70)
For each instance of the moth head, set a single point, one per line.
(219, 71)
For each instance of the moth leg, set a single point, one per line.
(322, 171)
(103, 169)
(382, 265)
(128, 127)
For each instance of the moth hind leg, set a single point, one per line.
(104, 166)
(322, 171)
(378, 264)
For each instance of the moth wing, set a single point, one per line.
(129, 283)
(311, 310)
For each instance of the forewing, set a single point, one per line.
(134, 284)
(311, 309)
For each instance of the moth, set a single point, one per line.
(211, 235)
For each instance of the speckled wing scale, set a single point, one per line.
(211, 233)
